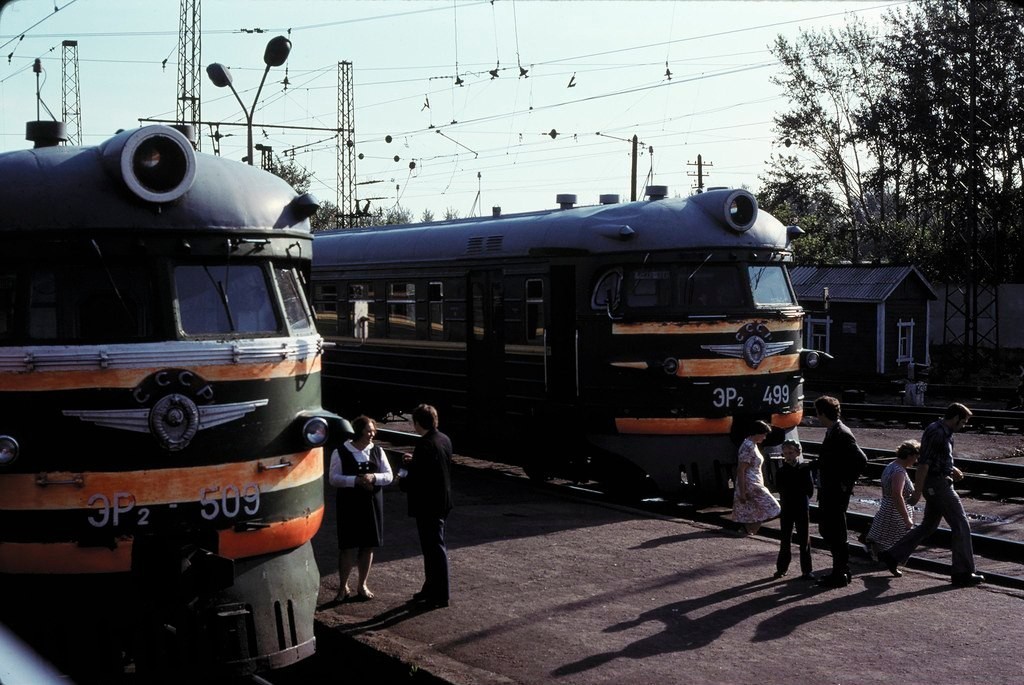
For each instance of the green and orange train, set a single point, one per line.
(161, 429)
(625, 342)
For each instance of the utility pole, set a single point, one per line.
(632, 175)
(348, 205)
(700, 172)
(189, 65)
(71, 102)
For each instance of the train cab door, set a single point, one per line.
(485, 354)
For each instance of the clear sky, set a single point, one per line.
(595, 75)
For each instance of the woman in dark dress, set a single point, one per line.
(359, 469)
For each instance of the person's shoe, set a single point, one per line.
(967, 579)
(834, 580)
(806, 576)
(890, 563)
(420, 596)
(778, 574)
(437, 603)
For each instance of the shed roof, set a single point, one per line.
(854, 282)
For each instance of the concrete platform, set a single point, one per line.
(550, 589)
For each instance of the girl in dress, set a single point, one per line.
(895, 517)
(359, 469)
(752, 504)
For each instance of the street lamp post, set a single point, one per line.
(275, 55)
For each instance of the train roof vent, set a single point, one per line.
(657, 192)
(479, 244)
(608, 199)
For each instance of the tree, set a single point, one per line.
(299, 177)
(916, 132)
(798, 196)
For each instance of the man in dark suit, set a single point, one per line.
(425, 478)
(840, 463)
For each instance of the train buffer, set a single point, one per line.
(547, 588)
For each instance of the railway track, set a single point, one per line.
(1006, 553)
(982, 477)
(983, 420)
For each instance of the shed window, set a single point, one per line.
(905, 352)
(818, 334)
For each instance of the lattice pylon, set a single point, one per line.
(190, 60)
(71, 101)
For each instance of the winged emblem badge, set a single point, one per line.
(175, 405)
(753, 345)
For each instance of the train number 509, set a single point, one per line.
(776, 394)
(229, 500)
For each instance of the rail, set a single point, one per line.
(982, 419)
(981, 476)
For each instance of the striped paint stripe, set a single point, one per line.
(21, 491)
(700, 327)
(696, 368)
(695, 426)
(129, 378)
(68, 557)
(783, 363)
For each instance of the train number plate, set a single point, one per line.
(217, 501)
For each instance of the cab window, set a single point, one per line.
(224, 299)
(770, 287)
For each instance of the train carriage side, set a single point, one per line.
(621, 342)
(161, 432)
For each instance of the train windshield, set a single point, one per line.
(222, 299)
(710, 287)
(698, 289)
(770, 287)
(108, 303)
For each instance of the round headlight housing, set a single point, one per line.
(315, 431)
(8, 449)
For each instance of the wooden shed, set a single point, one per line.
(872, 319)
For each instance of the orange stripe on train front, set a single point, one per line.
(23, 491)
(696, 426)
(787, 421)
(695, 368)
(129, 378)
(696, 327)
(667, 426)
(68, 557)
(276, 537)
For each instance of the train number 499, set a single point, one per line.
(776, 394)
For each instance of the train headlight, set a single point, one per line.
(157, 163)
(812, 359)
(315, 431)
(740, 210)
(8, 449)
